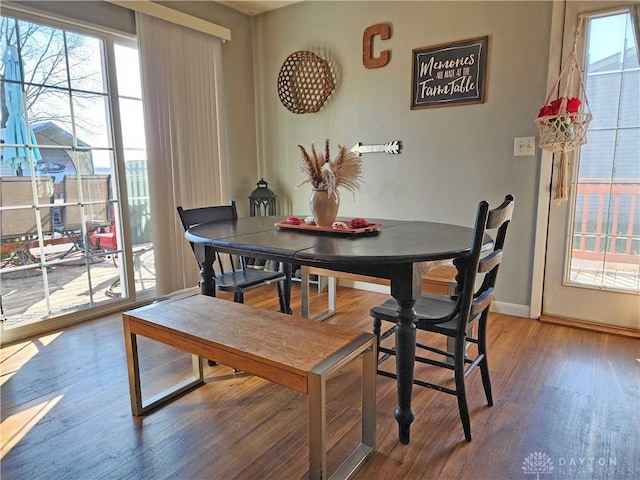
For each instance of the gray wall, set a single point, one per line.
(452, 157)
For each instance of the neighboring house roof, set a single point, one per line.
(612, 62)
(614, 101)
(62, 160)
(48, 133)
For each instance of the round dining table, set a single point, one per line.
(398, 251)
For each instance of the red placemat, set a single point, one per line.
(371, 228)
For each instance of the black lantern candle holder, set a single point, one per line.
(262, 201)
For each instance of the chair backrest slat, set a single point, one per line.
(500, 214)
(482, 302)
(490, 261)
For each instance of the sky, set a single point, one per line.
(607, 36)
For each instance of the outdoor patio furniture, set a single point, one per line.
(19, 221)
(84, 206)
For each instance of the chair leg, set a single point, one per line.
(461, 393)
(377, 325)
(286, 287)
(284, 308)
(484, 364)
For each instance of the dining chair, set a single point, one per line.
(457, 316)
(230, 272)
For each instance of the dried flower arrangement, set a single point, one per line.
(323, 173)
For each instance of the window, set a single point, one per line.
(66, 140)
(606, 227)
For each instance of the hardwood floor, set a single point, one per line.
(567, 398)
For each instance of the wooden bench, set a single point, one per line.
(291, 351)
(440, 280)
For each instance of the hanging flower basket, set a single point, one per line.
(562, 129)
(562, 126)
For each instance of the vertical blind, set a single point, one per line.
(181, 81)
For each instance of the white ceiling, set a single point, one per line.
(256, 6)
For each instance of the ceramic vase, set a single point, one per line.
(324, 207)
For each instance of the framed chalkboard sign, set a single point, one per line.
(449, 74)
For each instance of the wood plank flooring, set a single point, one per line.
(568, 397)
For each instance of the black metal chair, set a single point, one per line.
(231, 274)
(456, 317)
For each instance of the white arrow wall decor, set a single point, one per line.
(391, 148)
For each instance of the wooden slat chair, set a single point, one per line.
(454, 317)
(231, 274)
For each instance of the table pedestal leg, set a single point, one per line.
(405, 360)
(206, 257)
(406, 286)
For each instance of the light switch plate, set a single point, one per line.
(524, 146)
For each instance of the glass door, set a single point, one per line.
(72, 243)
(592, 270)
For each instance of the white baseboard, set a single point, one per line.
(500, 307)
(370, 287)
(511, 309)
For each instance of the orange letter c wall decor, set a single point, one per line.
(382, 29)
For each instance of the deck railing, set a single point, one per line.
(139, 201)
(606, 224)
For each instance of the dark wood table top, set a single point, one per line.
(396, 242)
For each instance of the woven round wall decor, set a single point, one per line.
(304, 82)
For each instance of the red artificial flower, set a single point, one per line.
(573, 104)
(545, 111)
(555, 106)
(553, 109)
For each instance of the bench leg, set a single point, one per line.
(331, 293)
(318, 417)
(317, 427)
(138, 406)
